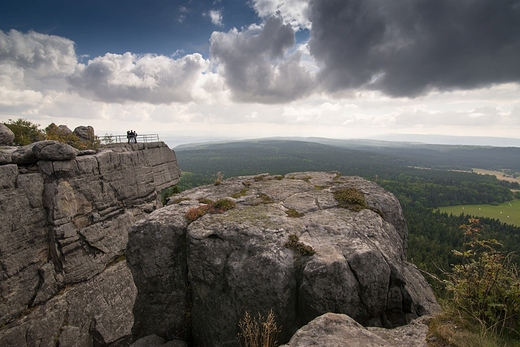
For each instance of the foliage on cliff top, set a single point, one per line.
(219, 206)
(350, 198)
(483, 308)
(26, 132)
(295, 244)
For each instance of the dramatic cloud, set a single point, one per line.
(255, 66)
(147, 78)
(33, 60)
(410, 47)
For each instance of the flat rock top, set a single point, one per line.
(295, 195)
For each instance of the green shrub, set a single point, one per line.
(25, 132)
(486, 286)
(298, 246)
(350, 198)
(240, 193)
(293, 213)
(224, 205)
(168, 192)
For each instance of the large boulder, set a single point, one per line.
(337, 330)
(202, 276)
(85, 133)
(53, 151)
(6, 135)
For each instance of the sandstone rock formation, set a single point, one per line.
(337, 330)
(197, 279)
(84, 133)
(6, 135)
(63, 274)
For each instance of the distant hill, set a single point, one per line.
(330, 154)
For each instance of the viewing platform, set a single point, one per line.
(110, 139)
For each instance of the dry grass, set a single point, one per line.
(258, 332)
(450, 329)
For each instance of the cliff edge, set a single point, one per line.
(65, 216)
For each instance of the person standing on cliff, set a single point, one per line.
(135, 136)
(128, 135)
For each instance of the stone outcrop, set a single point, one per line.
(6, 135)
(336, 330)
(65, 217)
(196, 278)
(84, 133)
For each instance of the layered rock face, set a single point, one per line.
(197, 279)
(65, 218)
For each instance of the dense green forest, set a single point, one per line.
(432, 235)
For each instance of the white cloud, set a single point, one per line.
(215, 16)
(293, 12)
(143, 78)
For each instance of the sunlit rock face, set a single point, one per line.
(65, 220)
(196, 277)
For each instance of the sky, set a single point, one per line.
(230, 69)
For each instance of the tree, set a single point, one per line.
(25, 132)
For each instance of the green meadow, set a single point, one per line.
(507, 212)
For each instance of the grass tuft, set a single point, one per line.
(258, 332)
(298, 246)
(350, 198)
(293, 213)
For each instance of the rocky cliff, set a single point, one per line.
(303, 245)
(65, 217)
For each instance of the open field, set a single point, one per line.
(507, 212)
(498, 174)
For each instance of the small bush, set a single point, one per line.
(25, 132)
(295, 244)
(485, 288)
(265, 198)
(240, 193)
(258, 332)
(293, 213)
(209, 206)
(195, 213)
(350, 198)
(168, 192)
(224, 205)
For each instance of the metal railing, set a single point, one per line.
(108, 139)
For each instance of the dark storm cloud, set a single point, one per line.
(408, 47)
(255, 66)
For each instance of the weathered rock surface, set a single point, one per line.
(6, 135)
(338, 330)
(54, 151)
(84, 133)
(63, 233)
(196, 280)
